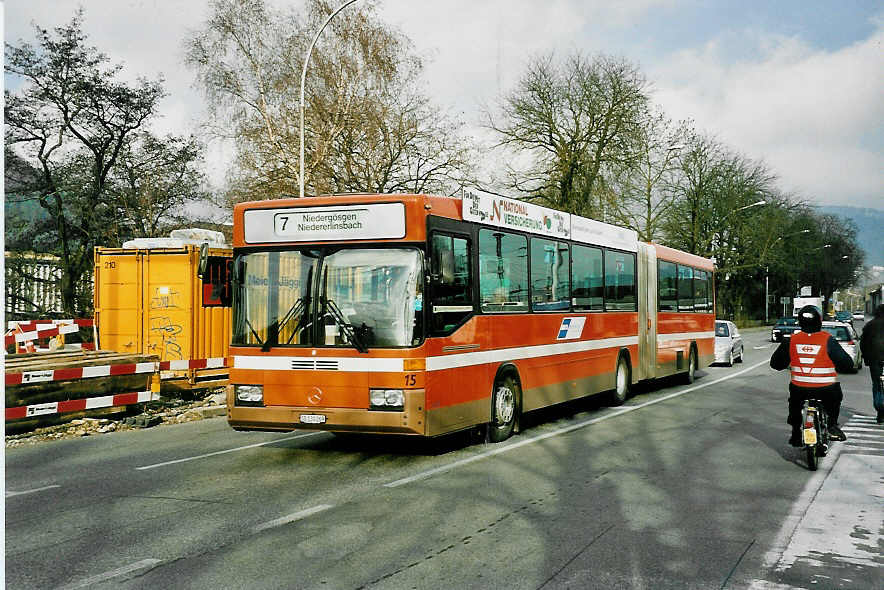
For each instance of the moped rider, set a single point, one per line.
(814, 358)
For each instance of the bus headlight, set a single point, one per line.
(386, 399)
(249, 395)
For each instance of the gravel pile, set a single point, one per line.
(155, 413)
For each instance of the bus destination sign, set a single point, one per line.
(490, 209)
(323, 224)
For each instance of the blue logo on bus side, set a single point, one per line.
(571, 328)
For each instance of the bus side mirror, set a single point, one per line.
(204, 259)
(444, 274)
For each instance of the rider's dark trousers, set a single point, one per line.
(830, 395)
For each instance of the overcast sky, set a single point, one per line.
(797, 83)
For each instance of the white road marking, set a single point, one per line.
(865, 436)
(761, 347)
(120, 571)
(858, 448)
(521, 443)
(269, 442)
(292, 517)
(10, 494)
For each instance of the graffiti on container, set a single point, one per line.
(168, 332)
(164, 298)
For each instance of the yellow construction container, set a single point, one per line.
(150, 300)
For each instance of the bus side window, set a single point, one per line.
(216, 282)
(667, 294)
(503, 268)
(701, 292)
(685, 288)
(452, 290)
(587, 292)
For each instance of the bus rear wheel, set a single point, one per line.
(688, 377)
(621, 383)
(504, 407)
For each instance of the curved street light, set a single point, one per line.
(804, 231)
(304, 77)
(756, 204)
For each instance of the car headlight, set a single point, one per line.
(386, 399)
(249, 395)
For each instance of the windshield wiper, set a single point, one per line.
(255, 334)
(346, 328)
(297, 309)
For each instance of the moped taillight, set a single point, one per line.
(808, 420)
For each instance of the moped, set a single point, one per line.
(814, 432)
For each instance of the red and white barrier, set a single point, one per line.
(32, 325)
(27, 377)
(41, 331)
(77, 405)
(27, 332)
(214, 363)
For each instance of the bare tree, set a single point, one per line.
(70, 121)
(574, 119)
(368, 125)
(153, 183)
(644, 190)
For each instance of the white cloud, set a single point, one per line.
(815, 117)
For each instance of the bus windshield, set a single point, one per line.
(361, 297)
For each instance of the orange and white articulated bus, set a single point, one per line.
(425, 315)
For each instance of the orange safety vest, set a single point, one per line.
(809, 359)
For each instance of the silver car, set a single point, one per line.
(847, 338)
(728, 343)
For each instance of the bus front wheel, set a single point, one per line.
(504, 407)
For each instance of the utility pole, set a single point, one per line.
(766, 296)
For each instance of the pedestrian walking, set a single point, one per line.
(872, 346)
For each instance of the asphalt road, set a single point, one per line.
(682, 487)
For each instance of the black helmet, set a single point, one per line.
(809, 319)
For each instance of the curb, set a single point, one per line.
(212, 411)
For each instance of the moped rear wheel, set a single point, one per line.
(812, 460)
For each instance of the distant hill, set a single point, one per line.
(870, 230)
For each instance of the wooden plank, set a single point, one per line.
(66, 362)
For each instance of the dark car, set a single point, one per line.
(844, 316)
(783, 329)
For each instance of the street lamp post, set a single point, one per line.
(304, 77)
(766, 295)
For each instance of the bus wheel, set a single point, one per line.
(621, 383)
(688, 377)
(504, 405)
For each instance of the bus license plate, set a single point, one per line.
(809, 436)
(312, 418)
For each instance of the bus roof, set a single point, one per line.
(672, 255)
(396, 217)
